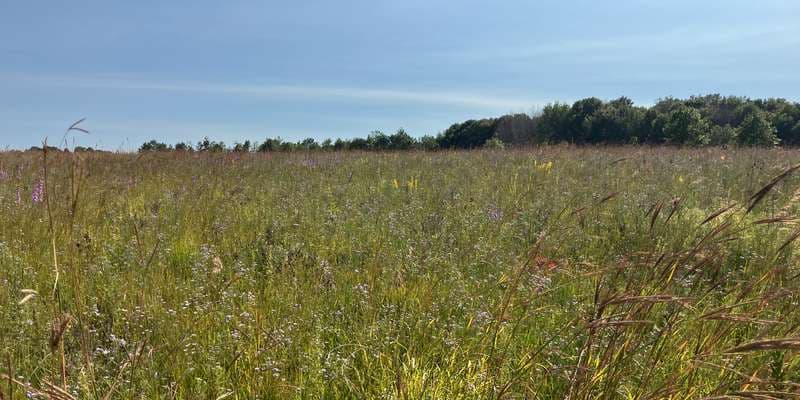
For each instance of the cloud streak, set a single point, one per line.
(280, 91)
(677, 41)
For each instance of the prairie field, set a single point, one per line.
(544, 273)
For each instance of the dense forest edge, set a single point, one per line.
(710, 120)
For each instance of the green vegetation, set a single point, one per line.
(697, 121)
(552, 272)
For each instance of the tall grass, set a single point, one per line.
(554, 272)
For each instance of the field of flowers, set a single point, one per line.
(547, 273)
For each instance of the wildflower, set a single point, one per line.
(680, 178)
(19, 196)
(395, 184)
(3, 175)
(495, 214)
(412, 183)
(217, 263)
(546, 167)
(37, 195)
(327, 279)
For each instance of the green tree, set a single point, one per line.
(401, 140)
(270, 144)
(340, 144)
(242, 147)
(785, 119)
(428, 143)
(553, 123)
(722, 135)
(617, 121)
(685, 126)
(494, 143)
(378, 140)
(467, 135)
(581, 114)
(308, 144)
(183, 146)
(154, 145)
(516, 129)
(756, 130)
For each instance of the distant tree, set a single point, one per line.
(153, 145)
(340, 144)
(308, 144)
(685, 126)
(581, 116)
(208, 145)
(359, 144)
(698, 120)
(651, 129)
(516, 129)
(756, 130)
(242, 147)
(786, 120)
(494, 143)
(401, 140)
(270, 144)
(744, 111)
(718, 110)
(468, 135)
(378, 140)
(181, 146)
(554, 123)
(289, 146)
(428, 143)
(615, 122)
(722, 135)
(217, 147)
(203, 145)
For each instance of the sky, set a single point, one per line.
(235, 70)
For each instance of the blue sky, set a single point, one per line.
(235, 70)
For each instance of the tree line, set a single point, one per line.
(697, 121)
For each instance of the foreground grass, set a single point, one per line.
(549, 273)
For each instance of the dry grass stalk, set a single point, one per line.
(758, 196)
(769, 344)
(741, 318)
(717, 213)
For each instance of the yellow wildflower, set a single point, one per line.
(546, 167)
(412, 183)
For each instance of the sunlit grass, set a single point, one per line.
(545, 273)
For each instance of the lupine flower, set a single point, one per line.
(37, 195)
(19, 196)
(3, 175)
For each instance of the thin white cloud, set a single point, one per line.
(301, 92)
(737, 39)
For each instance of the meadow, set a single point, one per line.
(544, 273)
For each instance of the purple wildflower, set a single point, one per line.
(19, 196)
(310, 163)
(3, 175)
(37, 195)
